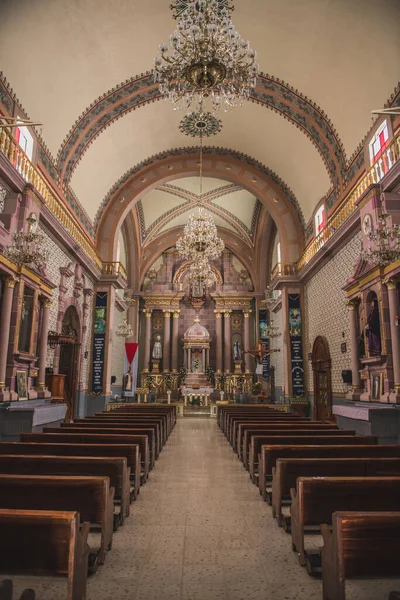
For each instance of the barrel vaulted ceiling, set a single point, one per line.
(81, 68)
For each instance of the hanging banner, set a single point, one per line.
(131, 369)
(99, 342)
(296, 345)
(263, 327)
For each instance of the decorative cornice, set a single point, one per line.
(194, 150)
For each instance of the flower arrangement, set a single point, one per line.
(196, 364)
(168, 381)
(256, 389)
(182, 375)
(210, 373)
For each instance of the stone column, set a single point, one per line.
(42, 393)
(203, 353)
(147, 339)
(175, 340)
(189, 360)
(246, 328)
(227, 337)
(167, 340)
(5, 321)
(218, 339)
(394, 311)
(355, 361)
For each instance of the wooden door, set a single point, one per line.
(321, 364)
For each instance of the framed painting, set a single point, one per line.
(22, 385)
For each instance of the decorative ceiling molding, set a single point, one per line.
(270, 92)
(223, 152)
(192, 200)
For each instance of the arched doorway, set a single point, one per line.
(68, 364)
(321, 364)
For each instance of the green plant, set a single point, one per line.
(210, 373)
(168, 381)
(148, 382)
(196, 363)
(182, 375)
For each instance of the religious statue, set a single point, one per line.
(157, 348)
(128, 381)
(237, 355)
(373, 330)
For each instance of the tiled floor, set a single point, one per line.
(200, 531)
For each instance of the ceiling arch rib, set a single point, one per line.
(270, 92)
(231, 168)
(234, 207)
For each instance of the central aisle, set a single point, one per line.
(200, 531)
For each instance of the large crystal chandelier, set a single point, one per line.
(384, 243)
(200, 272)
(206, 60)
(124, 330)
(27, 248)
(200, 238)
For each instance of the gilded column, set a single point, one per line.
(175, 340)
(167, 340)
(218, 339)
(147, 340)
(227, 337)
(355, 360)
(394, 311)
(246, 327)
(44, 332)
(5, 321)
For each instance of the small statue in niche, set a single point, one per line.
(128, 381)
(157, 348)
(237, 355)
(373, 330)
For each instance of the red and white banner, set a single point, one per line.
(131, 365)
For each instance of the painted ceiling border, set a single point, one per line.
(270, 91)
(223, 152)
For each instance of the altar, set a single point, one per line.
(196, 344)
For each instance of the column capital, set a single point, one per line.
(352, 304)
(246, 313)
(390, 282)
(47, 303)
(227, 314)
(176, 314)
(11, 281)
(218, 314)
(147, 312)
(167, 313)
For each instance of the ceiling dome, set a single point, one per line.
(197, 333)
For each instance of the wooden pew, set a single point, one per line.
(255, 415)
(317, 440)
(99, 424)
(128, 451)
(360, 544)
(116, 469)
(95, 438)
(169, 412)
(130, 418)
(270, 454)
(91, 497)
(224, 412)
(45, 543)
(234, 422)
(6, 591)
(109, 429)
(315, 499)
(243, 428)
(163, 417)
(287, 470)
(155, 424)
(285, 431)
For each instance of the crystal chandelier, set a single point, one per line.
(201, 272)
(385, 243)
(124, 329)
(272, 331)
(206, 59)
(27, 247)
(200, 238)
